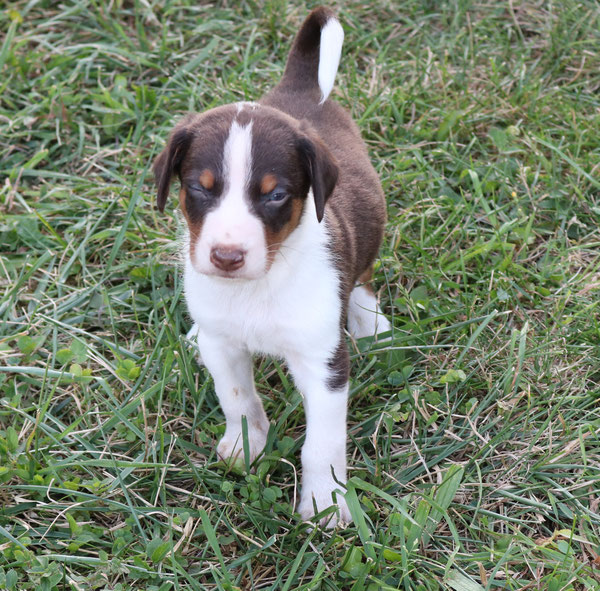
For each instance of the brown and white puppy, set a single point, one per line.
(285, 214)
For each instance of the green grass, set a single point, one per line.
(474, 436)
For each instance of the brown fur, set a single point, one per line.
(366, 275)
(274, 240)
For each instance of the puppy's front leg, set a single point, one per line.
(324, 387)
(231, 368)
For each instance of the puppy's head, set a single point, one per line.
(245, 173)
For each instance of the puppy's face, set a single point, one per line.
(245, 173)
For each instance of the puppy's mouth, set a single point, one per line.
(230, 275)
(240, 274)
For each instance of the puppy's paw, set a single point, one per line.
(321, 494)
(231, 447)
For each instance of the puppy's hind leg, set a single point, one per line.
(365, 318)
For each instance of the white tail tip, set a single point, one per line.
(332, 38)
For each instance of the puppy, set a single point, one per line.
(285, 215)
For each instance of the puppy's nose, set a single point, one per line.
(227, 258)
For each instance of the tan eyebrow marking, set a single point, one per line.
(268, 183)
(207, 179)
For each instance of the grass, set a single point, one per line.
(474, 436)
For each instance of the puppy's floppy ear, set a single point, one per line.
(321, 168)
(168, 162)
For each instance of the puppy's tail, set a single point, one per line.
(315, 55)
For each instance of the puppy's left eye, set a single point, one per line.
(197, 190)
(276, 196)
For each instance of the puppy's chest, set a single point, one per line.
(285, 312)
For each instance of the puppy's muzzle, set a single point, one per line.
(227, 258)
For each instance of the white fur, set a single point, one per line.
(332, 38)
(365, 318)
(258, 312)
(232, 224)
(230, 365)
(324, 449)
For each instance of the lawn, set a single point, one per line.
(474, 435)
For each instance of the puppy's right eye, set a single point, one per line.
(275, 197)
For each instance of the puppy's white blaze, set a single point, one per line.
(237, 157)
(232, 223)
(332, 38)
